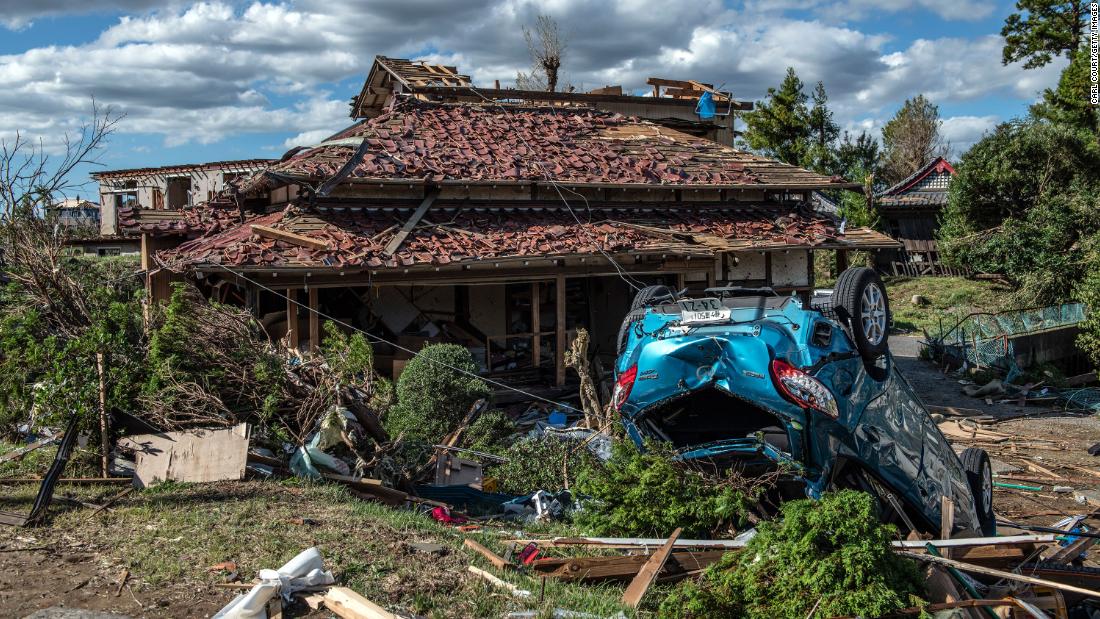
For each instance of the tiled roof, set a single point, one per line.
(914, 199)
(207, 218)
(356, 238)
(472, 143)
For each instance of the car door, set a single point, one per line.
(889, 436)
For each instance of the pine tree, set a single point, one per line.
(780, 127)
(1042, 29)
(1069, 102)
(859, 158)
(821, 156)
(911, 139)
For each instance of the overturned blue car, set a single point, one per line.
(743, 377)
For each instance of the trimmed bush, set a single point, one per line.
(432, 398)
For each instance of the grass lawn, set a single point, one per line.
(949, 299)
(169, 535)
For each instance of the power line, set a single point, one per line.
(377, 339)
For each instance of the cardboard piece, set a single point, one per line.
(200, 455)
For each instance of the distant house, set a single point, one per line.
(75, 213)
(910, 211)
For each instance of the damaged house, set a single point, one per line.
(497, 219)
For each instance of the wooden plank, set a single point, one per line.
(988, 571)
(637, 588)
(191, 456)
(293, 326)
(22, 451)
(947, 521)
(314, 321)
(653, 542)
(480, 573)
(594, 569)
(418, 214)
(559, 330)
(498, 562)
(288, 237)
(536, 327)
(350, 605)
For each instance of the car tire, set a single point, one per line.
(652, 295)
(979, 476)
(859, 300)
(624, 329)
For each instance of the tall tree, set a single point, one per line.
(859, 158)
(1039, 30)
(779, 127)
(546, 45)
(911, 139)
(824, 131)
(1069, 102)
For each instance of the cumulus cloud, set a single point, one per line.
(17, 15)
(963, 131)
(210, 70)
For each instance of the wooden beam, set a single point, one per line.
(637, 588)
(536, 327)
(418, 214)
(498, 562)
(314, 321)
(288, 237)
(559, 328)
(947, 521)
(348, 604)
(988, 571)
(292, 318)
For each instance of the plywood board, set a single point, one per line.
(191, 456)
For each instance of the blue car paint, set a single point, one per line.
(881, 424)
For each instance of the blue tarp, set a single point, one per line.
(705, 108)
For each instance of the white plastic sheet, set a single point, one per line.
(304, 570)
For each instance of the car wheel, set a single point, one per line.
(859, 299)
(979, 475)
(652, 295)
(624, 329)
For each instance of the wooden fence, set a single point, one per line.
(919, 258)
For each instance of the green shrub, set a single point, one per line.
(541, 464)
(350, 356)
(432, 398)
(649, 494)
(490, 431)
(833, 554)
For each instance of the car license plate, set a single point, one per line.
(695, 311)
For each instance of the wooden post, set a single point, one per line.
(559, 352)
(536, 326)
(314, 321)
(104, 447)
(947, 522)
(292, 318)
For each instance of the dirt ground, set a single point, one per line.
(1047, 449)
(166, 540)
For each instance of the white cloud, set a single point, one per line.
(210, 70)
(963, 131)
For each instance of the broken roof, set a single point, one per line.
(239, 165)
(344, 238)
(493, 144)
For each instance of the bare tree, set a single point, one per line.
(30, 179)
(911, 139)
(546, 46)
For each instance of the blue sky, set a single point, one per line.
(228, 80)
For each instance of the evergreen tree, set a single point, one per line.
(821, 156)
(1069, 102)
(859, 158)
(780, 127)
(1043, 29)
(911, 139)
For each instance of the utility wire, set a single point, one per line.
(380, 340)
